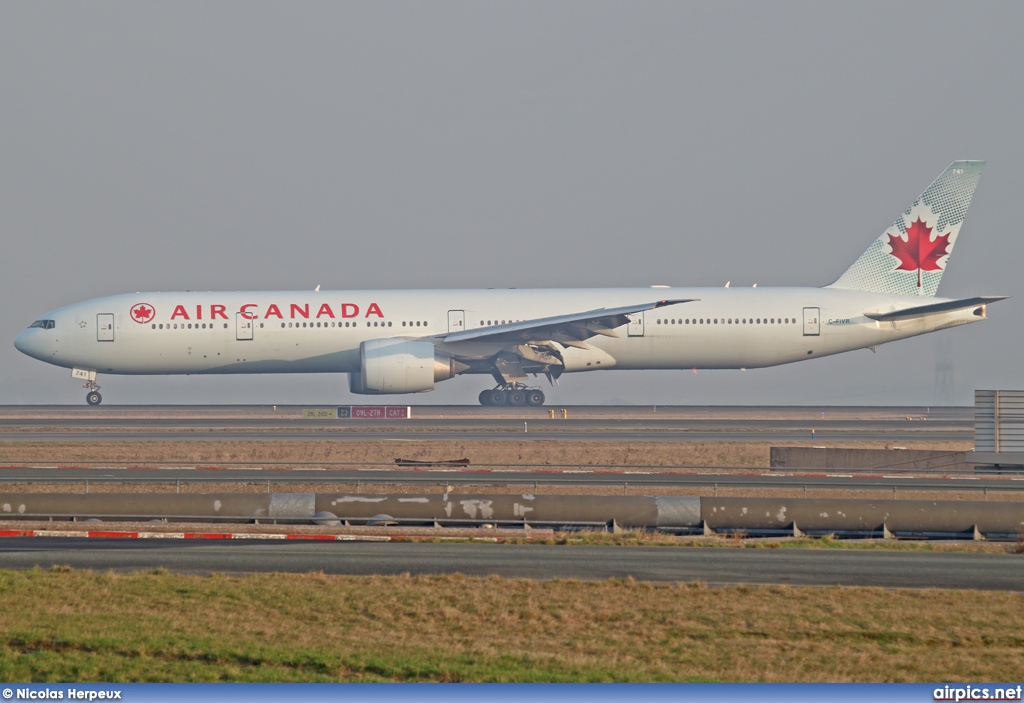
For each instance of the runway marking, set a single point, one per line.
(55, 533)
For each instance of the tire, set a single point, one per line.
(485, 398)
(93, 398)
(535, 398)
(497, 398)
(517, 398)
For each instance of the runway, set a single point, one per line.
(440, 423)
(886, 569)
(434, 423)
(282, 478)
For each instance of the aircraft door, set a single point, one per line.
(812, 322)
(456, 320)
(636, 324)
(105, 327)
(243, 327)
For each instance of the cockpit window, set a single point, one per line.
(44, 324)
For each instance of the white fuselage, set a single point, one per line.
(306, 331)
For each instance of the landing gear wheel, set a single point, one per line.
(497, 398)
(516, 395)
(93, 398)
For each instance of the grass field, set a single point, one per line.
(64, 625)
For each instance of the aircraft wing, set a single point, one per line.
(568, 329)
(933, 309)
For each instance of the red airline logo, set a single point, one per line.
(143, 312)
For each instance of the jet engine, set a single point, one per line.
(400, 366)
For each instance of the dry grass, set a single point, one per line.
(67, 625)
(480, 452)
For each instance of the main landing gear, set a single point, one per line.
(93, 397)
(513, 394)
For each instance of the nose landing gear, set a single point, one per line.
(512, 394)
(93, 397)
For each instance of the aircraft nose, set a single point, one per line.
(29, 342)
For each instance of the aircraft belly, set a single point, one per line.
(140, 356)
(726, 349)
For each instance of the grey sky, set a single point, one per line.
(171, 146)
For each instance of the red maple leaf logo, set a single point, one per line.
(142, 312)
(919, 252)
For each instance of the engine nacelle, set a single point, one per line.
(400, 366)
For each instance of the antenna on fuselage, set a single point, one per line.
(317, 289)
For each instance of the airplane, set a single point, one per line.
(406, 341)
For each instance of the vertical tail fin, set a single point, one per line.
(910, 257)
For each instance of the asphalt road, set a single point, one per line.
(282, 478)
(723, 434)
(887, 569)
(671, 424)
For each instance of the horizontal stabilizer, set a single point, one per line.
(580, 325)
(933, 309)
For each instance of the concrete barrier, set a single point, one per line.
(883, 459)
(711, 514)
(627, 511)
(836, 514)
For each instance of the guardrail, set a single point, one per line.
(445, 466)
(794, 516)
(982, 488)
